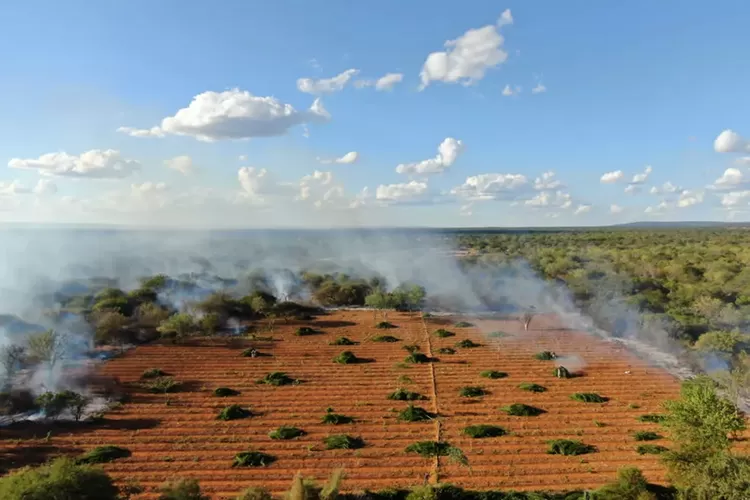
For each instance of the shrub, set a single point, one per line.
(630, 485)
(153, 373)
(411, 348)
(177, 326)
(384, 325)
(253, 493)
(545, 356)
(467, 343)
(446, 350)
(343, 442)
(522, 410)
(276, 379)
(404, 395)
(568, 447)
(385, 338)
(484, 431)
(561, 372)
(224, 392)
(286, 432)
(588, 397)
(306, 330)
(471, 392)
(647, 436)
(182, 489)
(428, 449)
(252, 459)
(55, 403)
(651, 449)
(233, 412)
(162, 385)
(531, 387)
(443, 333)
(417, 357)
(652, 418)
(62, 479)
(415, 414)
(346, 358)
(463, 324)
(248, 353)
(103, 454)
(335, 418)
(497, 335)
(493, 374)
(342, 341)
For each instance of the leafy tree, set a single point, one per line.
(46, 347)
(111, 327)
(182, 489)
(150, 315)
(11, 357)
(62, 479)
(177, 326)
(210, 323)
(55, 403)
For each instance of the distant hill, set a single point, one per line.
(680, 224)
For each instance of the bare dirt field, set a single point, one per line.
(178, 435)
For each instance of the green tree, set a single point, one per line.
(61, 479)
(46, 347)
(177, 326)
(182, 489)
(111, 327)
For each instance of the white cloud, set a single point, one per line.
(616, 209)
(511, 91)
(736, 198)
(182, 164)
(632, 189)
(539, 89)
(255, 182)
(744, 161)
(689, 198)
(326, 85)
(611, 177)
(148, 188)
(45, 187)
(448, 151)
(657, 209)
(233, 114)
(399, 193)
(347, 159)
(731, 179)
(547, 181)
(582, 209)
(666, 188)
(547, 199)
(467, 58)
(384, 83)
(13, 188)
(642, 177)
(96, 163)
(491, 186)
(730, 141)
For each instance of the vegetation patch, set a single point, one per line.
(647, 436)
(103, 454)
(588, 397)
(652, 418)
(493, 374)
(497, 335)
(443, 333)
(233, 412)
(252, 459)
(522, 410)
(412, 348)
(472, 392)
(343, 442)
(467, 343)
(386, 338)
(224, 392)
(153, 373)
(304, 331)
(417, 357)
(561, 372)
(384, 325)
(343, 341)
(484, 431)
(347, 358)
(463, 324)
(277, 379)
(415, 414)
(446, 350)
(568, 447)
(332, 418)
(545, 356)
(286, 432)
(531, 387)
(651, 449)
(429, 449)
(162, 385)
(254, 353)
(404, 395)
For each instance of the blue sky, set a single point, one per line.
(618, 87)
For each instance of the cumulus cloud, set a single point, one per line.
(731, 179)
(491, 186)
(401, 193)
(326, 85)
(730, 141)
(182, 164)
(632, 189)
(45, 187)
(347, 159)
(448, 151)
(255, 182)
(666, 188)
(547, 181)
(546, 199)
(233, 114)
(467, 58)
(616, 209)
(657, 209)
(612, 177)
(511, 91)
(12, 188)
(642, 177)
(97, 163)
(689, 198)
(582, 209)
(736, 198)
(148, 188)
(539, 89)
(384, 83)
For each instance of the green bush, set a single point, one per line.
(531, 387)
(182, 489)
(304, 331)
(277, 379)
(104, 454)
(343, 442)
(53, 404)
(647, 436)
(651, 449)
(484, 431)
(224, 392)
(346, 358)
(522, 410)
(415, 414)
(286, 432)
(545, 356)
(467, 344)
(497, 335)
(386, 338)
(342, 341)
(630, 485)
(493, 374)
(335, 418)
(153, 373)
(471, 392)
(404, 395)
(253, 493)
(384, 325)
(588, 397)
(443, 333)
(233, 412)
(248, 353)
(417, 357)
(652, 418)
(463, 324)
(252, 459)
(568, 447)
(561, 372)
(446, 350)
(162, 385)
(428, 449)
(61, 479)
(411, 348)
